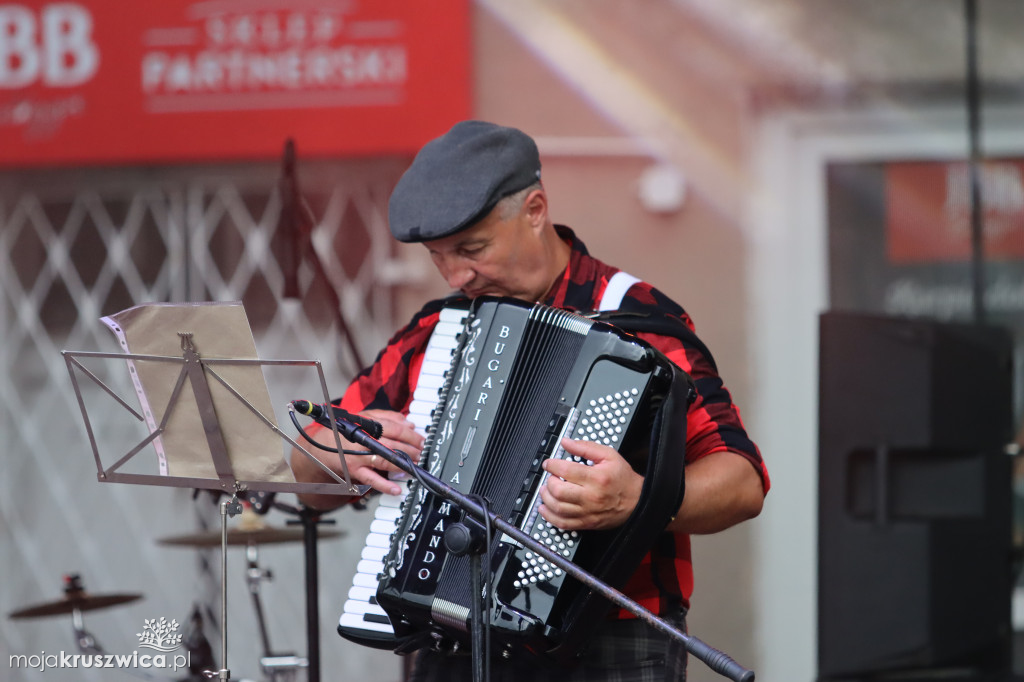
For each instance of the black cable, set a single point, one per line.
(321, 446)
(412, 465)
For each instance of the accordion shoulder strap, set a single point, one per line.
(617, 287)
(639, 318)
(655, 322)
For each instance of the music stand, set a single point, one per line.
(207, 406)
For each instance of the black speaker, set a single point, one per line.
(914, 498)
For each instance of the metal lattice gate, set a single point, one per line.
(76, 245)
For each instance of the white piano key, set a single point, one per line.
(378, 540)
(435, 367)
(442, 356)
(420, 421)
(425, 395)
(361, 607)
(362, 593)
(382, 526)
(371, 567)
(374, 553)
(447, 344)
(387, 513)
(365, 580)
(395, 500)
(356, 622)
(419, 408)
(453, 315)
(431, 381)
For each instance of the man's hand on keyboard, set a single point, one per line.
(371, 470)
(399, 434)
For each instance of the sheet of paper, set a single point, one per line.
(219, 331)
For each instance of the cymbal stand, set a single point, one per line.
(83, 638)
(278, 666)
(253, 576)
(88, 645)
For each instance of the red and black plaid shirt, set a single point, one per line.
(664, 579)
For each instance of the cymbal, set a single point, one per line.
(75, 600)
(264, 535)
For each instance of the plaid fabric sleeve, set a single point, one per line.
(388, 383)
(713, 421)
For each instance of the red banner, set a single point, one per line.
(175, 80)
(928, 211)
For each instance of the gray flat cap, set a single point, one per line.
(456, 179)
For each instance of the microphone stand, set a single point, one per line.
(718, 661)
(462, 539)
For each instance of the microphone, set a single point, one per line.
(323, 413)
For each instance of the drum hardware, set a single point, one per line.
(251, 532)
(75, 599)
(200, 651)
(277, 666)
(283, 667)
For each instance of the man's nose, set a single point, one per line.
(457, 274)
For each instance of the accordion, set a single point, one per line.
(521, 378)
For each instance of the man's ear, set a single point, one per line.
(536, 208)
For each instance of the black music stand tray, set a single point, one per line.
(195, 370)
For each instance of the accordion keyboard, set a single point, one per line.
(362, 619)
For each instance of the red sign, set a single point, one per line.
(928, 211)
(171, 81)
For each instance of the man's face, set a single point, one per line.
(496, 257)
